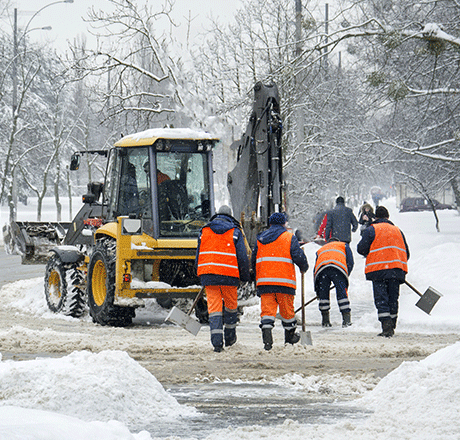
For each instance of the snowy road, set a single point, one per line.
(246, 385)
(11, 268)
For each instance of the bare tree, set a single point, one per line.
(142, 87)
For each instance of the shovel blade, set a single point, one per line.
(185, 321)
(428, 300)
(305, 338)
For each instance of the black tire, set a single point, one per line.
(63, 288)
(101, 287)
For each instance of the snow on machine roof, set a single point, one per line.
(148, 137)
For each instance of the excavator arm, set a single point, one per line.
(256, 184)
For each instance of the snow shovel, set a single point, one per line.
(305, 337)
(184, 320)
(427, 300)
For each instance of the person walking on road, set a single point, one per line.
(366, 216)
(386, 251)
(340, 222)
(274, 257)
(334, 263)
(222, 262)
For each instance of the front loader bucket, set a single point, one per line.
(33, 240)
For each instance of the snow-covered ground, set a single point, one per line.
(107, 390)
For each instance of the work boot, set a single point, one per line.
(267, 338)
(218, 348)
(230, 341)
(387, 329)
(291, 337)
(346, 319)
(326, 322)
(394, 320)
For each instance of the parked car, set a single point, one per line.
(421, 204)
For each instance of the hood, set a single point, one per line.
(271, 234)
(221, 223)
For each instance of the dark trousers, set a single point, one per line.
(386, 296)
(323, 285)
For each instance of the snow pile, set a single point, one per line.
(103, 386)
(419, 400)
(28, 424)
(27, 296)
(420, 396)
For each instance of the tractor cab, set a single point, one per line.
(164, 178)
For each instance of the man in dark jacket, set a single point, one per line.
(340, 222)
(273, 259)
(386, 251)
(334, 263)
(221, 262)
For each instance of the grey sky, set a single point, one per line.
(66, 19)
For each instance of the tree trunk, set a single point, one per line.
(456, 190)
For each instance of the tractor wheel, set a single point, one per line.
(101, 287)
(76, 293)
(63, 291)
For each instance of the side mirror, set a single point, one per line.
(75, 161)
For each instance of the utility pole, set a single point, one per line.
(326, 40)
(298, 27)
(297, 80)
(14, 66)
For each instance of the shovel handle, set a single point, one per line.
(200, 293)
(302, 300)
(413, 288)
(306, 304)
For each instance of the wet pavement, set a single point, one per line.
(227, 404)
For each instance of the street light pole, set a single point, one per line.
(15, 55)
(15, 78)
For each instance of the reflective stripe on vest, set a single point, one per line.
(218, 254)
(388, 250)
(274, 266)
(332, 254)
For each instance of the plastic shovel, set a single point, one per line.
(427, 300)
(305, 337)
(184, 320)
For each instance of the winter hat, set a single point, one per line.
(340, 199)
(225, 210)
(277, 218)
(382, 212)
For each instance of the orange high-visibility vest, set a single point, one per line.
(388, 250)
(332, 254)
(217, 254)
(274, 266)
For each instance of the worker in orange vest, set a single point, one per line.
(386, 251)
(274, 257)
(222, 262)
(334, 263)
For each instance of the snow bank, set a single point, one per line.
(30, 424)
(419, 400)
(103, 386)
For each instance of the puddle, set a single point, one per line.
(223, 405)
